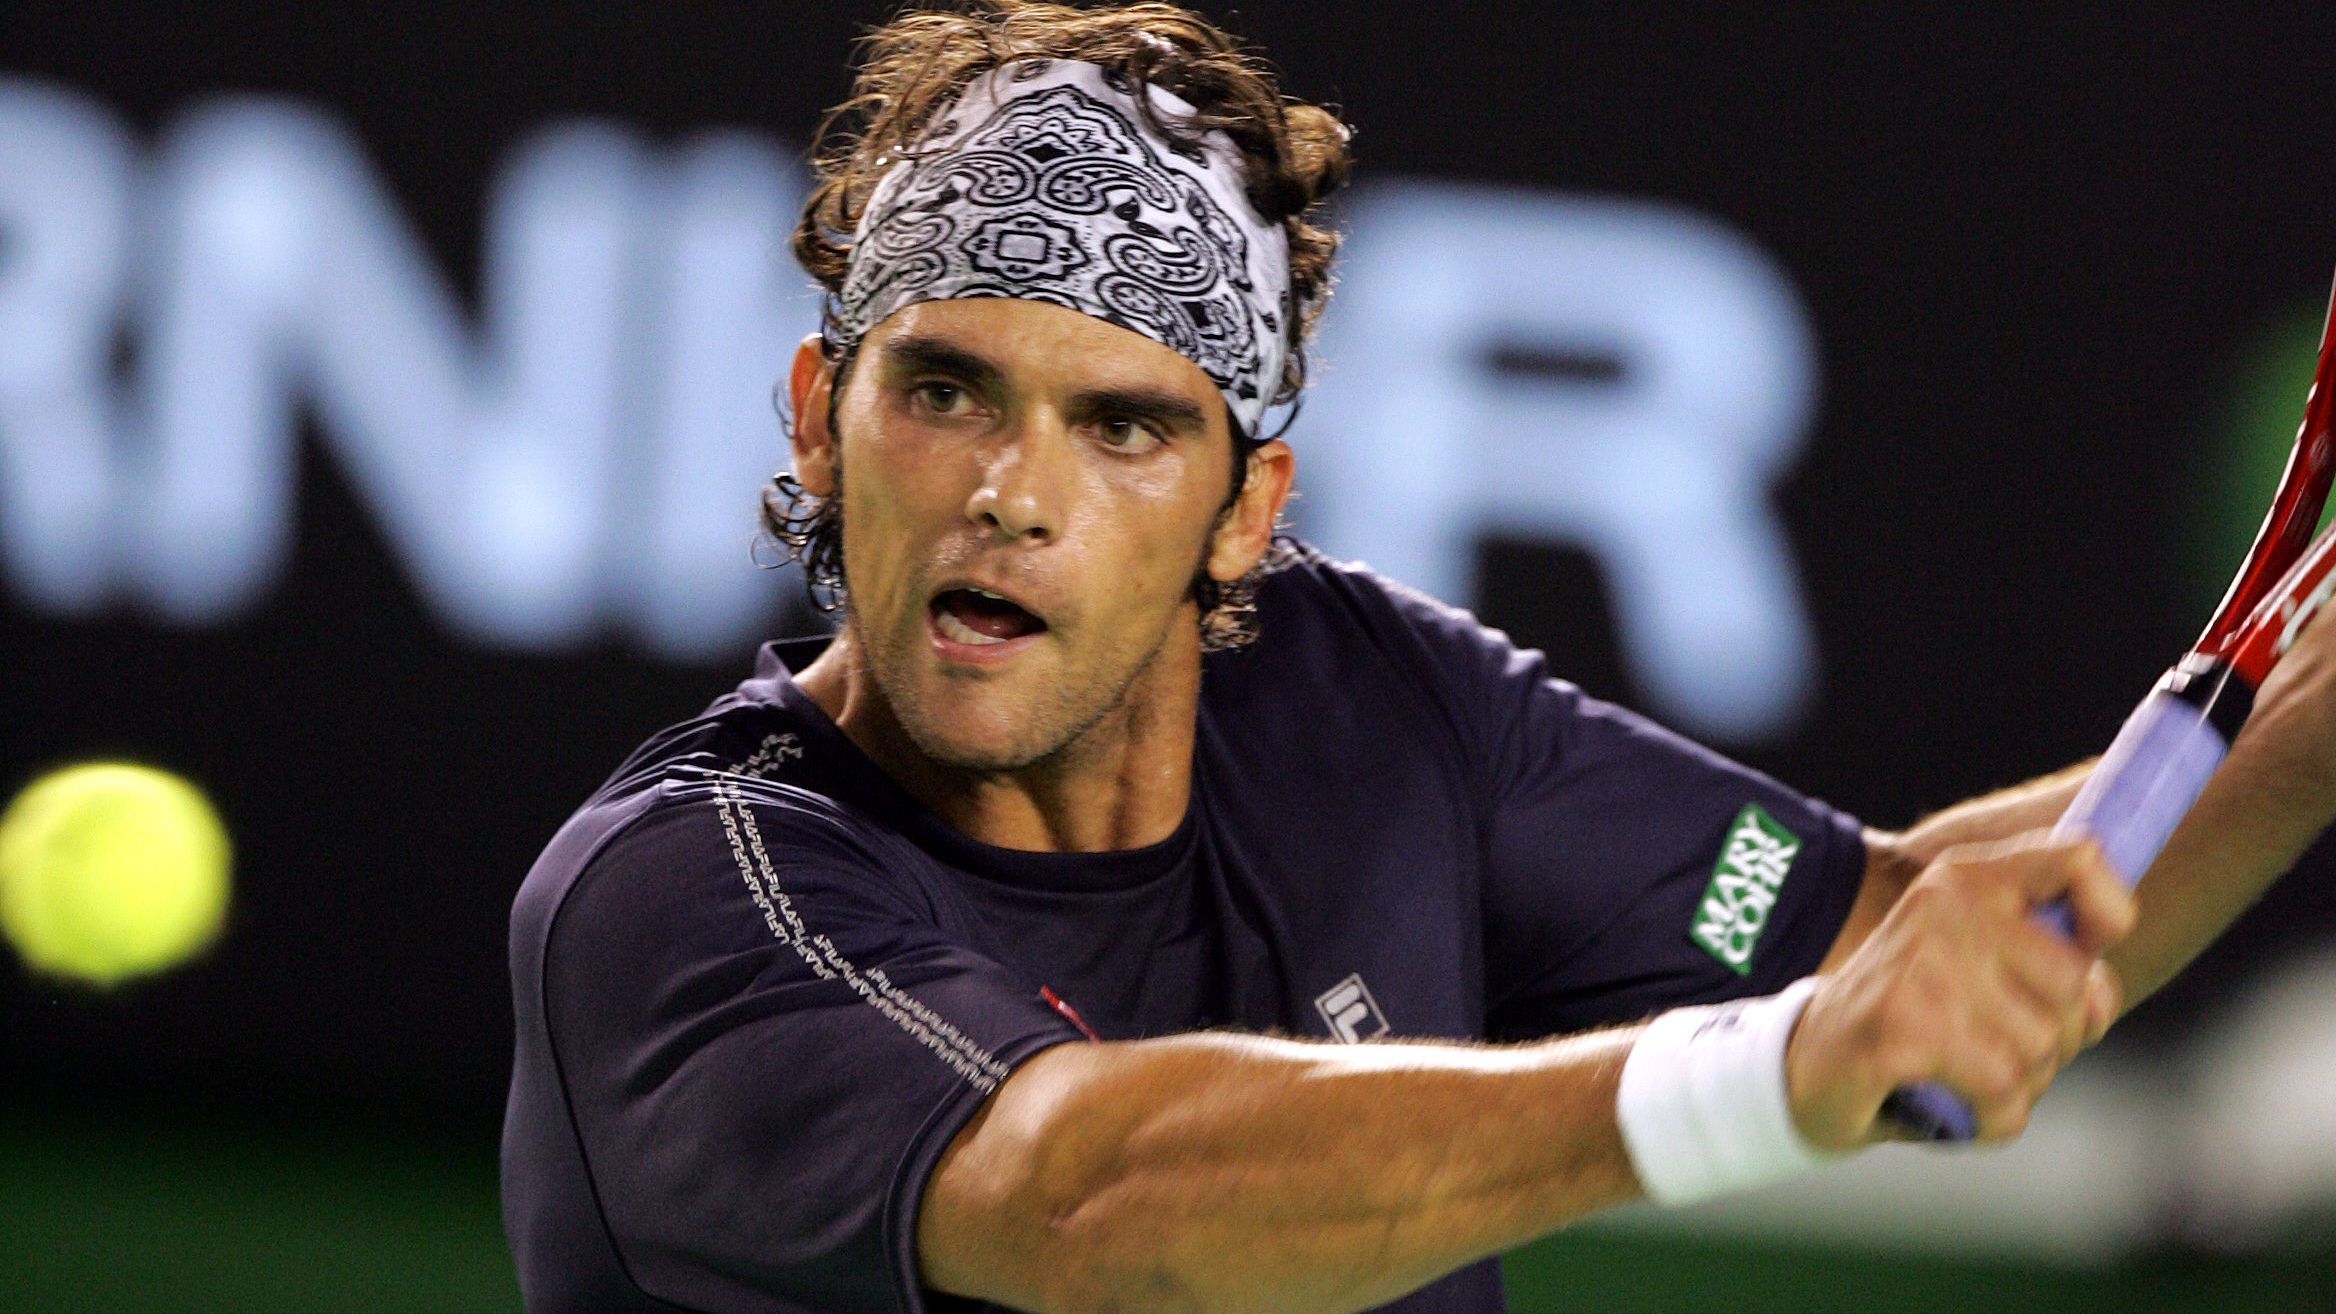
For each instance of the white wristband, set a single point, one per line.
(1702, 1103)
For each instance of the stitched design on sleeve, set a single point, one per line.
(774, 751)
(930, 1029)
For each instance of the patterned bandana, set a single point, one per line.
(1043, 182)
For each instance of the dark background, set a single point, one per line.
(2038, 251)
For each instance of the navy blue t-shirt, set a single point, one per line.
(759, 987)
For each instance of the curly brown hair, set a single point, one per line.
(913, 67)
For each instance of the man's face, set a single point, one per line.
(1027, 494)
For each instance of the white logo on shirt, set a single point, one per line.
(775, 750)
(1350, 1012)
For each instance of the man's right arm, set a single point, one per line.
(1228, 1172)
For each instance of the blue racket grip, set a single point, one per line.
(2130, 805)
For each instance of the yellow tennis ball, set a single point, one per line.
(111, 871)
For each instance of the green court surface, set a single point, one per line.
(135, 1215)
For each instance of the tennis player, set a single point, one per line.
(1132, 909)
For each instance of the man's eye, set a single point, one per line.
(1125, 434)
(942, 398)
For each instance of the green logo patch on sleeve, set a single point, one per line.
(1754, 861)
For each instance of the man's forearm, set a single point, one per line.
(2034, 805)
(2262, 809)
(1241, 1173)
(1894, 860)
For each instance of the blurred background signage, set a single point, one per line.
(1623, 377)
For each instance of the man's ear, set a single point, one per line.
(1247, 527)
(809, 383)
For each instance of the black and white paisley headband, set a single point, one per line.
(1044, 182)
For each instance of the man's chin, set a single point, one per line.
(961, 749)
(992, 727)
(1003, 718)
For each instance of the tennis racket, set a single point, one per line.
(2172, 743)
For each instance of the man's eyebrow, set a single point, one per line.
(1169, 410)
(912, 353)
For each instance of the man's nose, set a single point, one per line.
(1026, 480)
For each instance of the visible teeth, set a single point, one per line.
(985, 593)
(962, 632)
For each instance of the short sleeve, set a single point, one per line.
(1626, 869)
(767, 1039)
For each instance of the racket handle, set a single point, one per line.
(2156, 767)
(2130, 805)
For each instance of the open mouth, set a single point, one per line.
(980, 618)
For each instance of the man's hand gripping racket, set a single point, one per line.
(2160, 761)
